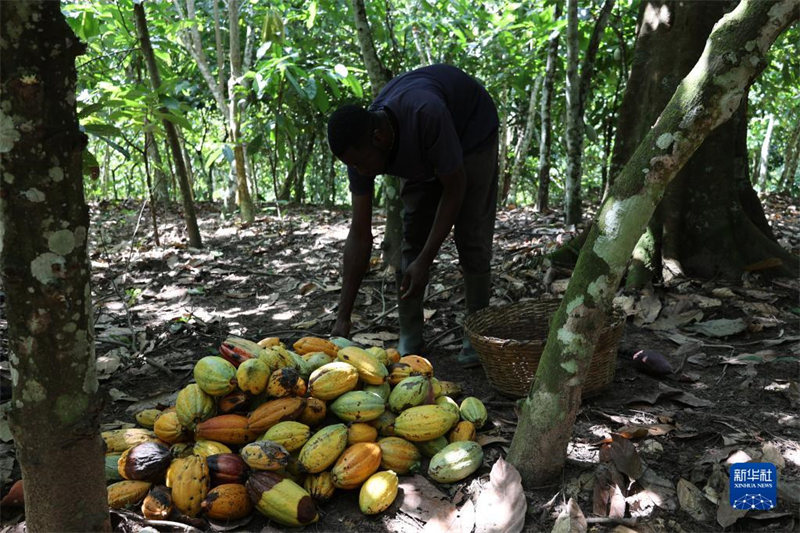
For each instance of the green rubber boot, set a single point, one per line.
(476, 294)
(411, 322)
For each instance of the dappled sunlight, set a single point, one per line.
(655, 16)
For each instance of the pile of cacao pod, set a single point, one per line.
(280, 431)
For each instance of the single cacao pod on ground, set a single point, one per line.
(323, 448)
(227, 468)
(332, 380)
(455, 461)
(227, 429)
(315, 344)
(361, 432)
(189, 480)
(370, 370)
(227, 502)
(378, 492)
(399, 455)
(147, 461)
(205, 448)
(464, 430)
(193, 406)
(169, 429)
(233, 402)
(237, 350)
(265, 455)
(252, 376)
(128, 492)
(215, 375)
(290, 434)
(473, 410)
(356, 464)
(314, 412)
(358, 406)
(119, 440)
(270, 413)
(285, 382)
(157, 505)
(424, 422)
(281, 499)
(320, 486)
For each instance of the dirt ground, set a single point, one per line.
(734, 349)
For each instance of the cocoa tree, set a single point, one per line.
(44, 226)
(710, 94)
(710, 222)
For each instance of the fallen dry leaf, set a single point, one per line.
(501, 505)
(692, 500)
(570, 520)
(625, 457)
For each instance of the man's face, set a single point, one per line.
(368, 159)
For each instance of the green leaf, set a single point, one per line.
(312, 15)
(101, 129)
(178, 120)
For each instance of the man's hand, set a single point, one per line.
(341, 328)
(415, 279)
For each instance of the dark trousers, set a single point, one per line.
(474, 227)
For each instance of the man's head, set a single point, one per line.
(360, 139)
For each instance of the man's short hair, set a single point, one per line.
(348, 127)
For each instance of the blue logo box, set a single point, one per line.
(753, 486)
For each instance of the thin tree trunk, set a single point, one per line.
(160, 182)
(763, 173)
(246, 208)
(522, 148)
(545, 143)
(503, 134)
(380, 76)
(189, 216)
(44, 234)
(790, 159)
(709, 94)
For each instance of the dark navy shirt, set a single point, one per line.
(439, 114)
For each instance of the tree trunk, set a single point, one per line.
(710, 222)
(44, 227)
(522, 148)
(172, 134)
(708, 96)
(545, 142)
(246, 208)
(502, 149)
(160, 183)
(574, 126)
(380, 76)
(763, 167)
(790, 160)
(577, 94)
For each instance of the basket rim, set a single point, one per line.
(617, 316)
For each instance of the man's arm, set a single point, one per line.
(357, 251)
(453, 187)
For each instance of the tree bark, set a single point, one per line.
(379, 76)
(44, 232)
(193, 231)
(763, 160)
(708, 96)
(790, 160)
(577, 93)
(522, 148)
(545, 142)
(246, 208)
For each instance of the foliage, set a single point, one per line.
(304, 61)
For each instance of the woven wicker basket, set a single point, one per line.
(510, 339)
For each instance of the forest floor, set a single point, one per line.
(734, 347)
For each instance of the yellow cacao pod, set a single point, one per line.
(205, 448)
(429, 448)
(290, 434)
(419, 365)
(323, 448)
(281, 499)
(361, 432)
(399, 455)
(378, 353)
(193, 405)
(314, 360)
(356, 464)
(370, 370)
(252, 376)
(450, 404)
(128, 492)
(285, 382)
(464, 430)
(157, 505)
(320, 486)
(227, 502)
(227, 429)
(378, 492)
(188, 478)
(169, 429)
(119, 440)
(412, 391)
(392, 355)
(269, 342)
(314, 412)
(315, 344)
(332, 380)
(215, 375)
(265, 455)
(424, 422)
(147, 417)
(270, 413)
(358, 406)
